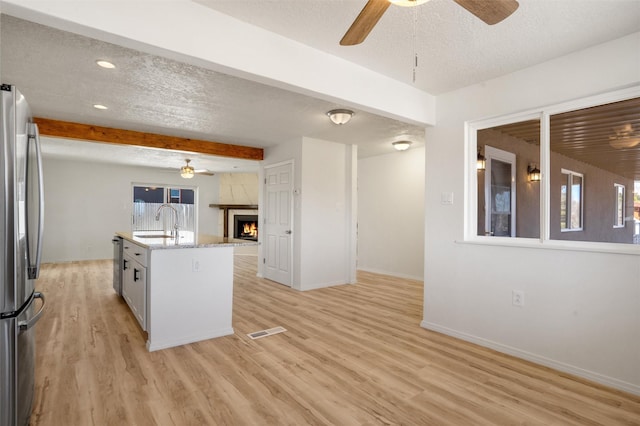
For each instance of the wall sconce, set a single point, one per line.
(340, 116)
(534, 173)
(481, 162)
(401, 145)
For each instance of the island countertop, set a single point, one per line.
(154, 240)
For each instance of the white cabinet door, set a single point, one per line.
(139, 293)
(134, 289)
(127, 277)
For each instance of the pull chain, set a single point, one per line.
(415, 47)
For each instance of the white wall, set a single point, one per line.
(85, 203)
(326, 212)
(325, 209)
(391, 214)
(582, 309)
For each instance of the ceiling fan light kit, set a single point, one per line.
(340, 116)
(625, 137)
(408, 3)
(624, 142)
(489, 11)
(187, 171)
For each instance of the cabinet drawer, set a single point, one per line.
(139, 253)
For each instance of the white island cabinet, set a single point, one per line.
(180, 292)
(134, 280)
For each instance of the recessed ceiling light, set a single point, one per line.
(99, 106)
(105, 64)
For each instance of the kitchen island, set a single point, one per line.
(179, 291)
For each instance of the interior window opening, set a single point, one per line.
(508, 180)
(589, 179)
(594, 163)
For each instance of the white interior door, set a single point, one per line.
(278, 223)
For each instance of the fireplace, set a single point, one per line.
(245, 227)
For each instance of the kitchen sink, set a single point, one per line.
(152, 236)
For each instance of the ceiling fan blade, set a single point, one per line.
(490, 11)
(364, 23)
(204, 172)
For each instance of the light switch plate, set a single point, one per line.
(446, 198)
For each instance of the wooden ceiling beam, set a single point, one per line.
(88, 132)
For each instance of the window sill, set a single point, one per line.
(534, 243)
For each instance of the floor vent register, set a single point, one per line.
(265, 333)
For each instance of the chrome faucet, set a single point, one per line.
(174, 233)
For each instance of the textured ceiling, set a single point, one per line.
(454, 48)
(60, 79)
(56, 70)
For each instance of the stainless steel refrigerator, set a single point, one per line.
(21, 226)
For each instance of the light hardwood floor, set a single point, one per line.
(352, 355)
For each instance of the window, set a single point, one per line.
(571, 201)
(618, 221)
(147, 199)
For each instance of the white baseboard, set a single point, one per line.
(164, 344)
(538, 359)
(323, 285)
(392, 274)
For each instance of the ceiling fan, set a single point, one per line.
(188, 171)
(489, 11)
(625, 137)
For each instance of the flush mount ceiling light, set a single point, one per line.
(99, 106)
(105, 64)
(187, 171)
(340, 116)
(401, 145)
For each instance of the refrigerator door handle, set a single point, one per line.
(26, 325)
(34, 268)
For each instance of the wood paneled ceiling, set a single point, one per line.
(605, 136)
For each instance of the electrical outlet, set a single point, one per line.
(195, 265)
(517, 298)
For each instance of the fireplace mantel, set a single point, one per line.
(235, 206)
(225, 210)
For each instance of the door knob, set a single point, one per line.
(288, 231)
